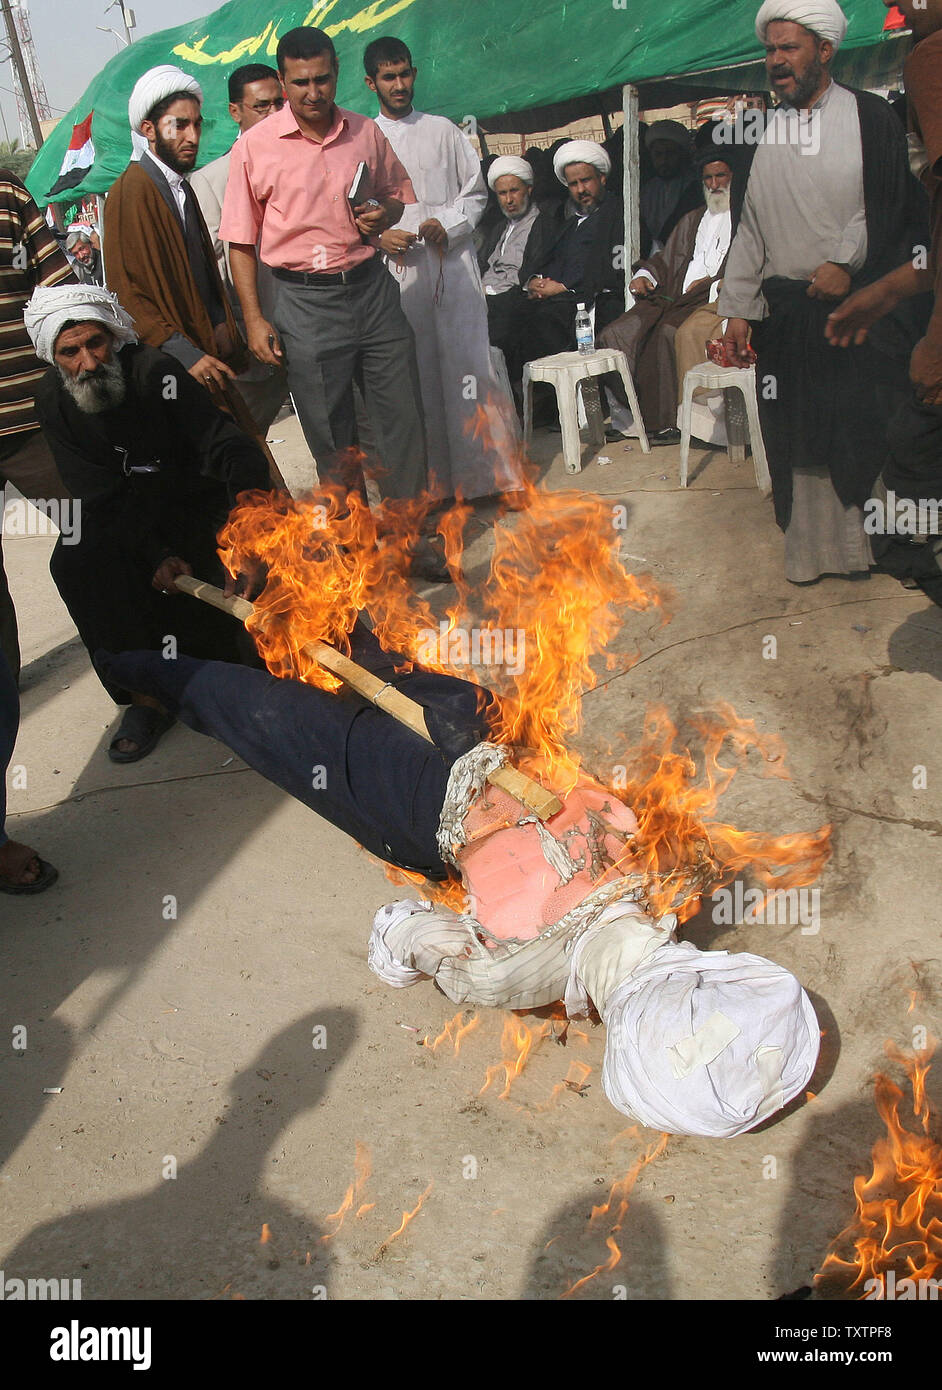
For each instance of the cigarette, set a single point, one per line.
(52, 1090)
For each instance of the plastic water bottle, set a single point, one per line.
(585, 338)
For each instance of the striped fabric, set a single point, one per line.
(29, 256)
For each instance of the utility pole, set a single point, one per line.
(127, 17)
(16, 54)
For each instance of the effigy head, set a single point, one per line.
(699, 1042)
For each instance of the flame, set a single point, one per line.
(362, 1170)
(516, 1043)
(265, 1237)
(407, 1217)
(448, 892)
(454, 1032)
(575, 1080)
(680, 849)
(620, 1193)
(555, 576)
(329, 558)
(897, 1225)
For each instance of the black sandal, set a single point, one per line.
(143, 725)
(47, 877)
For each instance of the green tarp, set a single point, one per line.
(476, 59)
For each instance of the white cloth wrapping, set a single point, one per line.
(580, 152)
(509, 164)
(698, 1042)
(51, 307)
(704, 1042)
(156, 84)
(823, 17)
(443, 299)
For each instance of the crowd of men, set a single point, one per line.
(394, 286)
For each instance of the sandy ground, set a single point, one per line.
(202, 1139)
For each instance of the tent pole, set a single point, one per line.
(632, 182)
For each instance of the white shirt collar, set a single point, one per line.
(174, 179)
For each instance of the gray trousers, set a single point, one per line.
(31, 469)
(333, 335)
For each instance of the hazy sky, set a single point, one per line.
(70, 50)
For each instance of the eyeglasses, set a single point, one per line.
(263, 107)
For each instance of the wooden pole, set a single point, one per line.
(517, 784)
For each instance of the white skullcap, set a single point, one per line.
(50, 308)
(79, 231)
(823, 17)
(702, 1042)
(509, 164)
(154, 86)
(580, 152)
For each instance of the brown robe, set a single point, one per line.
(148, 269)
(645, 334)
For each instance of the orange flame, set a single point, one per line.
(330, 558)
(516, 1043)
(407, 1217)
(620, 1193)
(362, 1170)
(896, 1230)
(454, 1032)
(448, 892)
(685, 853)
(574, 1081)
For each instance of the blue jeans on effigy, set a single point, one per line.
(9, 723)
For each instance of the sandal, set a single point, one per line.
(47, 876)
(143, 725)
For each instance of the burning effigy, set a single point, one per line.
(540, 882)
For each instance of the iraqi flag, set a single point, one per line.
(79, 158)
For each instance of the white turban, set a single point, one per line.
(509, 164)
(580, 152)
(49, 309)
(823, 17)
(701, 1042)
(155, 85)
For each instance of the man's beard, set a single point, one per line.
(516, 216)
(92, 392)
(806, 86)
(168, 155)
(717, 199)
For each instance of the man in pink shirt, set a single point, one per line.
(336, 310)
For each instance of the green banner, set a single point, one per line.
(476, 59)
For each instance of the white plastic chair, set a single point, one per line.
(563, 371)
(709, 377)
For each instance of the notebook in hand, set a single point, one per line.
(359, 186)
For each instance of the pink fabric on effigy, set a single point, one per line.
(516, 892)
